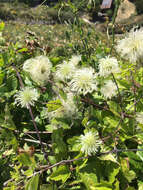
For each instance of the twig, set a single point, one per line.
(37, 142)
(40, 132)
(134, 90)
(119, 95)
(33, 132)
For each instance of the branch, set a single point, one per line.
(46, 167)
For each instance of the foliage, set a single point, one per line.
(82, 126)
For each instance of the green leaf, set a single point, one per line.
(140, 153)
(32, 183)
(7, 121)
(89, 180)
(85, 121)
(124, 83)
(109, 157)
(74, 143)
(62, 173)
(22, 50)
(59, 146)
(140, 185)
(111, 121)
(114, 108)
(129, 174)
(54, 105)
(24, 159)
(48, 187)
(2, 25)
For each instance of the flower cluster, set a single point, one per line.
(107, 66)
(39, 69)
(131, 47)
(90, 143)
(81, 80)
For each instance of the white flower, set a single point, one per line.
(39, 69)
(90, 143)
(75, 60)
(131, 47)
(64, 71)
(84, 81)
(67, 109)
(29, 64)
(139, 117)
(109, 89)
(27, 96)
(70, 108)
(108, 65)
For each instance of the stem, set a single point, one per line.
(119, 95)
(113, 22)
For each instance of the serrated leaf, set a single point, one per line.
(62, 173)
(89, 180)
(129, 174)
(32, 183)
(22, 50)
(53, 105)
(109, 157)
(2, 25)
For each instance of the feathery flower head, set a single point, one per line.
(90, 143)
(84, 81)
(131, 47)
(68, 108)
(64, 71)
(75, 59)
(108, 65)
(29, 64)
(39, 69)
(139, 117)
(109, 89)
(27, 96)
